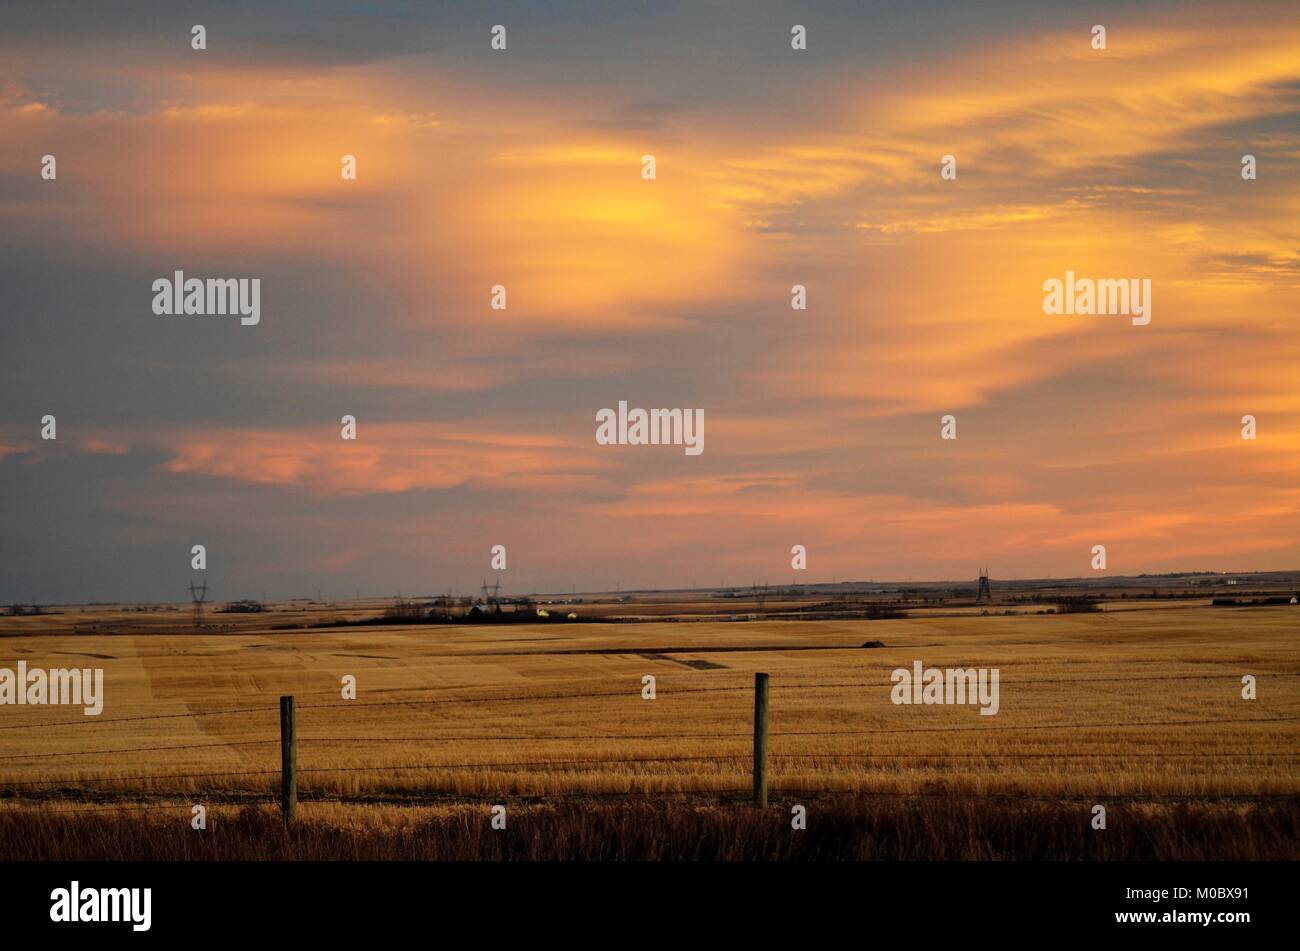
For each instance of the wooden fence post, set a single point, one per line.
(760, 741)
(288, 760)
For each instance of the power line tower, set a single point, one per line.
(492, 599)
(984, 594)
(198, 595)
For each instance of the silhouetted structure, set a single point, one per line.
(492, 597)
(984, 594)
(198, 595)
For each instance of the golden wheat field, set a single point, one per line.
(1129, 704)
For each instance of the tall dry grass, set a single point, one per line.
(838, 829)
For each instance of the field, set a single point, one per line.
(1138, 707)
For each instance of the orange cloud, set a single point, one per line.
(386, 457)
(924, 295)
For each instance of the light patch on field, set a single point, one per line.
(446, 712)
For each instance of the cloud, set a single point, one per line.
(386, 458)
(924, 296)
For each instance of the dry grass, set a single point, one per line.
(838, 829)
(1083, 700)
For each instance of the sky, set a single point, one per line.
(523, 168)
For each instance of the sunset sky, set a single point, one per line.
(523, 168)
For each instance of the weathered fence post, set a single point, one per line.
(760, 741)
(288, 760)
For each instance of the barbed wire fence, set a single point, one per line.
(78, 789)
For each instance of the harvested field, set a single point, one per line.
(1135, 710)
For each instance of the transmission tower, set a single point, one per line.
(984, 594)
(198, 595)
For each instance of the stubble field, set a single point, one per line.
(1140, 710)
